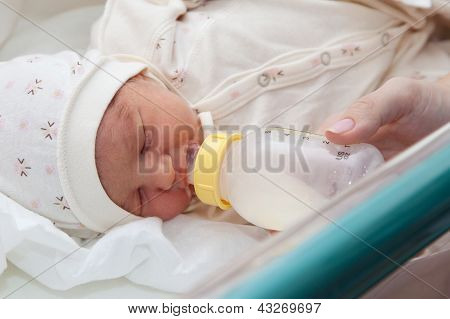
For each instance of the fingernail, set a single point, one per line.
(342, 126)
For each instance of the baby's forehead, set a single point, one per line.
(120, 105)
(121, 111)
(118, 128)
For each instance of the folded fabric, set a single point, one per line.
(171, 256)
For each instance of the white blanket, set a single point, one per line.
(171, 256)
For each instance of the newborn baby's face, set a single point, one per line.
(141, 149)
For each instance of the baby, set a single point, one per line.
(141, 149)
(87, 141)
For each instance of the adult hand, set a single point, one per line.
(395, 116)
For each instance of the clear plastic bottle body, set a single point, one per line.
(283, 176)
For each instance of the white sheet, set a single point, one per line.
(13, 278)
(171, 256)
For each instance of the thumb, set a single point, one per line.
(392, 101)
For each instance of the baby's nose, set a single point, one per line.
(167, 174)
(179, 160)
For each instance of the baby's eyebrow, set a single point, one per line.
(126, 124)
(123, 110)
(128, 136)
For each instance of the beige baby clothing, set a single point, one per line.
(271, 62)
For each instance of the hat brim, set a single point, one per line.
(76, 142)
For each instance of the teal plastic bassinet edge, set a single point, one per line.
(369, 242)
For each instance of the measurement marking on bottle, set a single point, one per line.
(342, 155)
(306, 136)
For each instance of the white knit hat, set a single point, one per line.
(50, 110)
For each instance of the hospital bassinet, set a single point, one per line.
(362, 236)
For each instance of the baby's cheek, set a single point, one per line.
(168, 204)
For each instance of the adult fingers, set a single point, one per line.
(392, 101)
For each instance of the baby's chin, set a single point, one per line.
(173, 206)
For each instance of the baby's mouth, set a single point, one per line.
(191, 190)
(191, 153)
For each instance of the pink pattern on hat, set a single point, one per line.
(58, 94)
(49, 169)
(23, 125)
(61, 202)
(35, 203)
(22, 169)
(9, 85)
(49, 130)
(34, 87)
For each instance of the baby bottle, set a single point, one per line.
(276, 177)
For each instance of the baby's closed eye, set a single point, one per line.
(148, 140)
